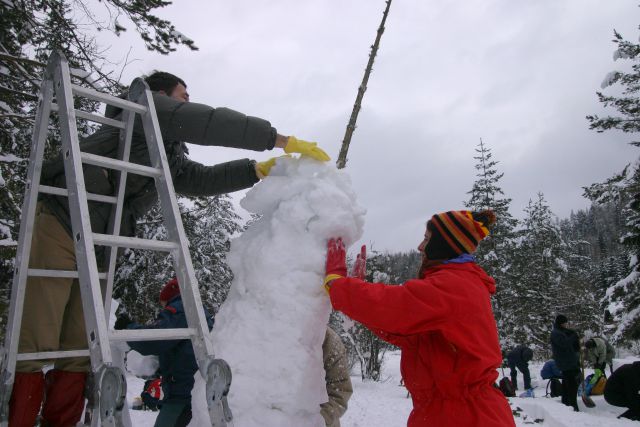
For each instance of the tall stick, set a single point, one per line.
(351, 126)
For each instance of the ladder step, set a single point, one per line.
(108, 99)
(133, 242)
(110, 163)
(67, 274)
(151, 334)
(52, 355)
(93, 117)
(91, 196)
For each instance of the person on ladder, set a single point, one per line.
(52, 318)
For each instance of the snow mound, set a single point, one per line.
(271, 327)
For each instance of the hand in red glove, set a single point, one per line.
(359, 269)
(336, 266)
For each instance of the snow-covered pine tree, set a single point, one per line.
(495, 252)
(623, 298)
(537, 292)
(209, 223)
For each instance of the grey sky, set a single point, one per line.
(521, 75)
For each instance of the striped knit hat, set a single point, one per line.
(455, 233)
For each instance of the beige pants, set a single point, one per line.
(52, 319)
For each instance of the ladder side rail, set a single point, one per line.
(97, 334)
(183, 267)
(9, 354)
(124, 151)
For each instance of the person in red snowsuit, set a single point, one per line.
(442, 321)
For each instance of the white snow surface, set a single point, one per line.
(385, 403)
(271, 327)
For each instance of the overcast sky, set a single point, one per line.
(521, 75)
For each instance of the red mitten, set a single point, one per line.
(336, 266)
(359, 269)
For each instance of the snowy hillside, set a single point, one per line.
(385, 404)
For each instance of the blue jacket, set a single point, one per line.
(550, 370)
(565, 346)
(177, 360)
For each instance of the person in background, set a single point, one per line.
(519, 358)
(565, 346)
(177, 359)
(623, 389)
(339, 388)
(52, 318)
(442, 321)
(598, 353)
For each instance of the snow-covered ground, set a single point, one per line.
(385, 403)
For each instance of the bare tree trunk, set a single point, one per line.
(351, 126)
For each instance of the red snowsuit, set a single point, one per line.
(447, 333)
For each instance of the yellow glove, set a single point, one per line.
(311, 149)
(264, 168)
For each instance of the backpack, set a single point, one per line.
(506, 387)
(598, 388)
(554, 387)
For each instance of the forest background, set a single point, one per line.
(584, 266)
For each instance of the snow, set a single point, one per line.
(271, 327)
(385, 403)
(609, 79)
(619, 54)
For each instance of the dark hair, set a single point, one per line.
(163, 81)
(590, 343)
(561, 319)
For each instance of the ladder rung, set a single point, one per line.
(110, 163)
(94, 117)
(67, 274)
(91, 196)
(108, 99)
(133, 242)
(52, 355)
(151, 334)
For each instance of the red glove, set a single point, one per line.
(359, 269)
(336, 261)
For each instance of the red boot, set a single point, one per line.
(64, 398)
(26, 399)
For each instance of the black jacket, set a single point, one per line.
(623, 386)
(520, 354)
(565, 346)
(179, 122)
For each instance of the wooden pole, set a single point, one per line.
(351, 126)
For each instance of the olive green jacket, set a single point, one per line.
(180, 122)
(339, 386)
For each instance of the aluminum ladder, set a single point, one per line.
(107, 390)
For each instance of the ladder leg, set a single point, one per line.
(218, 384)
(8, 353)
(216, 371)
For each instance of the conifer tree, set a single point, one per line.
(541, 265)
(623, 298)
(209, 224)
(495, 252)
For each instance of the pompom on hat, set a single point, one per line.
(170, 290)
(454, 233)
